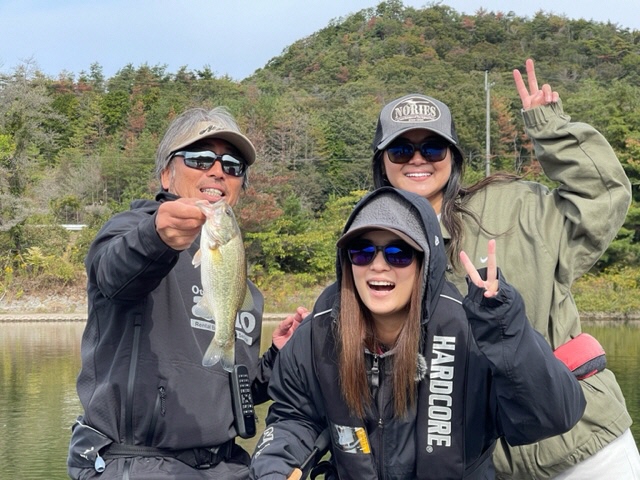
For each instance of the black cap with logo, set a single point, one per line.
(412, 112)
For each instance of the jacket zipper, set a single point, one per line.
(133, 365)
(377, 390)
(158, 410)
(375, 375)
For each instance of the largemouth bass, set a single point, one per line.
(223, 267)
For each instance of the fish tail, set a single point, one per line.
(212, 355)
(216, 353)
(229, 357)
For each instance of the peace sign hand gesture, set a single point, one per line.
(533, 97)
(491, 284)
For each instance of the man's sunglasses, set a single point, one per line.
(397, 254)
(432, 150)
(204, 160)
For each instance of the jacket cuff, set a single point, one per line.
(536, 118)
(269, 357)
(476, 294)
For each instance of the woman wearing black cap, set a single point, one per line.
(548, 238)
(411, 380)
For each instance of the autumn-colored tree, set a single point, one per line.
(311, 113)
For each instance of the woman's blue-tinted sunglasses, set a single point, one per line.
(396, 254)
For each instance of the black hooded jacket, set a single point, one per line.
(142, 380)
(489, 374)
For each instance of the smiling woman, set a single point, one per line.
(385, 280)
(581, 215)
(369, 331)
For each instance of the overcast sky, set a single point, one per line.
(233, 37)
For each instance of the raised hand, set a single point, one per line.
(533, 97)
(491, 283)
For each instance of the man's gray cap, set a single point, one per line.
(412, 112)
(389, 212)
(208, 129)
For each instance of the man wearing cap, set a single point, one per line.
(151, 409)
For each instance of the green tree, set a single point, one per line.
(25, 107)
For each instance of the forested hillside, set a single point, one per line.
(79, 147)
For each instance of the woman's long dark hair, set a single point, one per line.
(355, 331)
(454, 199)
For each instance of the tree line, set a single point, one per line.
(79, 147)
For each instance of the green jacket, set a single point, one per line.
(545, 240)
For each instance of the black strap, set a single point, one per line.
(200, 458)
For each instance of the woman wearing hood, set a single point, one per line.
(410, 379)
(547, 239)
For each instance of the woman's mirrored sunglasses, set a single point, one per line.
(397, 254)
(432, 150)
(204, 160)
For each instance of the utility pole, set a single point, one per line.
(487, 89)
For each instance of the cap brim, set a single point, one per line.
(387, 141)
(239, 141)
(242, 143)
(358, 232)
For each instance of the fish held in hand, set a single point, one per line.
(222, 261)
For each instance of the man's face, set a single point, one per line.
(210, 185)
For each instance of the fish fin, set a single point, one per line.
(202, 310)
(197, 259)
(247, 304)
(215, 353)
(229, 357)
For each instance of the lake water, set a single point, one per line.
(39, 362)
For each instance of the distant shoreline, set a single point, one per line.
(276, 317)
(82, 317)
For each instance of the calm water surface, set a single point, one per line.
(39, 363)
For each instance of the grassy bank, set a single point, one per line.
(613, 294)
